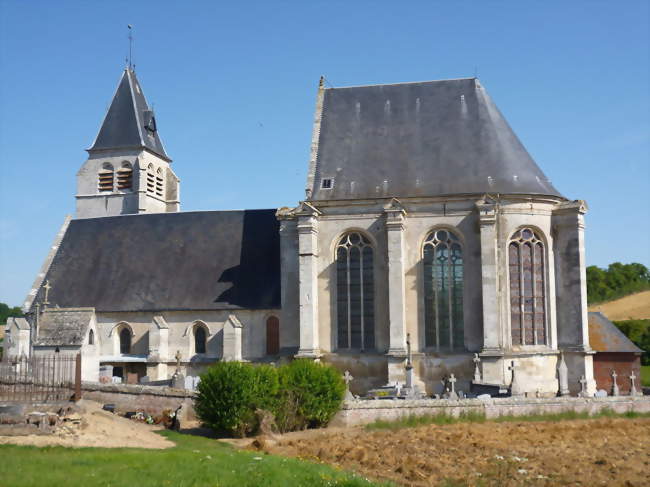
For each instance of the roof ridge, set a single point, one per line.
(403, 83)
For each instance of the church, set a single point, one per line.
(426, 230)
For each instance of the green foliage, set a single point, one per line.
(638, 331)
(6, 312)
(299, 395)
(645, 375)
(229, 393)
(312, 391)
(194, 461)
(475, 417)
(617, 281)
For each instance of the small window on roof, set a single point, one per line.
(326, 183)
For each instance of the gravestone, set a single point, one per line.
(615, 391)
(633, 391)
(515, 387)
(347, 378)
(451, 391)
(563, 375)
(477, 372)
(600, 393)
(583, 387)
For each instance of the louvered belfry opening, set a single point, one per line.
(159, 182)
(527, 270)
(355, 293)
(125, 177)
(106, 177)
(151, 179)
(443, 290)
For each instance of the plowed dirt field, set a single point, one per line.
(594, 452)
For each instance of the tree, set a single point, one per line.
(617, 281)
(6, 312)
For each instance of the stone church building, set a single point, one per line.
(424, 220)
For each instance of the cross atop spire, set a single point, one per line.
(130, 122)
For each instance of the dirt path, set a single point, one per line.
(97, 428)
(633, 307)
(595, 452)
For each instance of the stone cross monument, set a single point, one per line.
(347, 378)
(515, 388)
(452, 383)
(477, 372)
(633, 391)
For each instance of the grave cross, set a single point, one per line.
(178, 360)
(515, 389)
(633, 391)
(347, 377)
(615, 385)
(583, 386)
(477, 372)
(452, 381)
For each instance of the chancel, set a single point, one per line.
(429, 242)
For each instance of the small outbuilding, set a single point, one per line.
(614, 352)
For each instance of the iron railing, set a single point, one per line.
(40, 379)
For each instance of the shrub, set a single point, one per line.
(311, 394)
(230, 392)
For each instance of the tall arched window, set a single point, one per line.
(151, 179)
(527, 288)
(355, 291)
(200, 339)
(272, 336)
(125, 176)
(106, 176)
(443, 291)
(125, 341)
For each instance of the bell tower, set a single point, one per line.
(127, 170)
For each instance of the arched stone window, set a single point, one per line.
(355, 292)
(106, 176)
(159, 182)
(125, 176)
(272, 335)
(125, 341)
(443, 290)
(91, 337)
(151, 179)
(526, 262)
(200, 339)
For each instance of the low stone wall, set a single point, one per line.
(149, 399)
(364, 412)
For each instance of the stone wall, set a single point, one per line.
(149, 399)
(364, 412)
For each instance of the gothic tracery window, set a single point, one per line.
(355, 292)
(443, 290)
(527, 269)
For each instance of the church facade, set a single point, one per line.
(425, 221)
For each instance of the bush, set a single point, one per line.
(638, 331)
(299, 395)
(311, 391)
(229, 393)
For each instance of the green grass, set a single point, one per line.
(440, 419)
(645, 375)
(194, 461)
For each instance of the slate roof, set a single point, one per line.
(604, 336)
(169, 261)
(419, 139)
(63, 327)
(129, 122)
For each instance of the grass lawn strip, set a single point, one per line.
(195, 461)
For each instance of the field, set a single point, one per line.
(632, 307)
(589, 452)
(194, 461)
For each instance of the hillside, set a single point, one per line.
(633, 307)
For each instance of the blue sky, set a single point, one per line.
(234, 88)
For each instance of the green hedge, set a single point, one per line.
(301, 394)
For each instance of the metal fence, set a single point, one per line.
(40, 379)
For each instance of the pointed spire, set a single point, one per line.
(129, 122)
